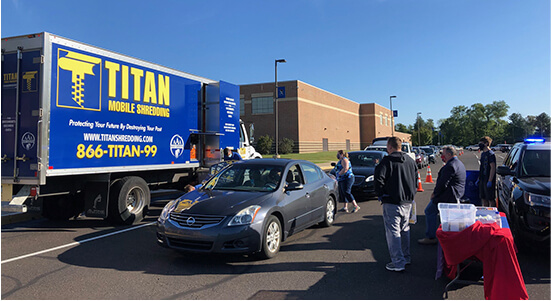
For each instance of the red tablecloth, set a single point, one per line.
(493, 246)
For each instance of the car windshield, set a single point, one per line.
(368, 160)
(427, 150)
(535, 163)
(244, 177)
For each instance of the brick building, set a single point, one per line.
(316, 120)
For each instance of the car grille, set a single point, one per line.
(195, 220)
(358, 180)
(190, 244)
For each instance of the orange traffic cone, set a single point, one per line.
(429, 175)
(420, 187)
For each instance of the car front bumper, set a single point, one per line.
(365, 189)
(218, 238)
(535, 225)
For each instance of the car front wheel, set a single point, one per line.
(272, 238)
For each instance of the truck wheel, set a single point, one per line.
(61, 208)
(129, 199)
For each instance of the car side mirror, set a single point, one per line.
(505, 171)
(294, 186)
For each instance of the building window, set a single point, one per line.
(381, 117)
(242, 106)
(386, 119)
(263, 105)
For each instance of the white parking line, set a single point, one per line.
(76, 243)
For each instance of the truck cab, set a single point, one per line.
(246, 150)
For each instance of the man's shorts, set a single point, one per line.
(486, 193)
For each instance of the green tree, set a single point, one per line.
(543, 124)
(400, 127)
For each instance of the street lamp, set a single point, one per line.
(275, 105)
(418, 130)
(392, 114)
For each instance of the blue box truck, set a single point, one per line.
(87, 130)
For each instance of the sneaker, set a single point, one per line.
(356, 209)
(344, 210)
(428, 241)
(390, 266)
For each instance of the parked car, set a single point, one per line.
(429, 151)
(381, 142)
(376, 148)
(363, 165)
(249, 207)
(523, 190)
(505, 148)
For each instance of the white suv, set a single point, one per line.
(381, 145)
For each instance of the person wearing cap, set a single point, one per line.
(229, 155)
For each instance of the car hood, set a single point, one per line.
(537, 185)
(219, 202)
(363, 170)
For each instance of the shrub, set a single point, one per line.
(286, 146)
(264, 144)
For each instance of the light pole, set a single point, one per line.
(392, 114)
(275, 107)
(418, 130)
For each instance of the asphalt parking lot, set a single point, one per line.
(90, 259)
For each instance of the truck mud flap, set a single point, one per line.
(96, 198)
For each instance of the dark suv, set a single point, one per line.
(523, 191)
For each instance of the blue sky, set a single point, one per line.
(432, 54)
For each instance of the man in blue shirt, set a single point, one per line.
(229, 155)
(450, 186)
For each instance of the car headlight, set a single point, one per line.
(245, 216)
(370, 178)
(167, 209)
(537, 199)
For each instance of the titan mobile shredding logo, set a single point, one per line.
(78, 81)
(30, 82)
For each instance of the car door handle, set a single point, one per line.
(307, 195)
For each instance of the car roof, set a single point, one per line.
(272, 162)
(368, 152)
(546, 145)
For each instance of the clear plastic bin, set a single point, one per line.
(456, 217)
(488, 215)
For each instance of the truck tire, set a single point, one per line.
(62, 207)
(129, 200)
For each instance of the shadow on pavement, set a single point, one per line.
(342, 280)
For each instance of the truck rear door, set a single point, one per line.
(21, 74)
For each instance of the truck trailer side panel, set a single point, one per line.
(84, 123)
